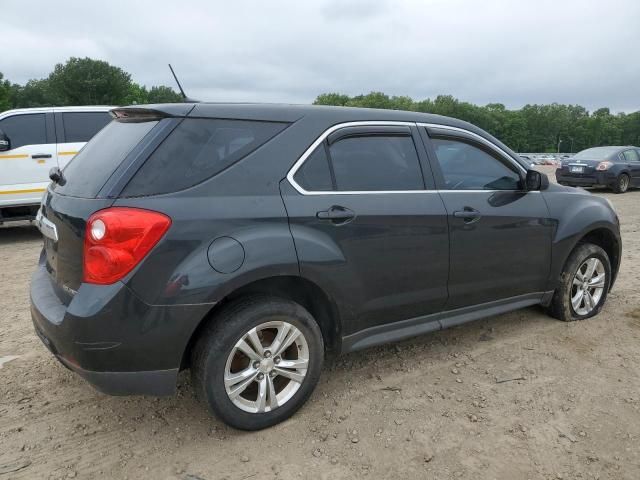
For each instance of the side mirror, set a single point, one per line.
(5, 143)
(536, 181)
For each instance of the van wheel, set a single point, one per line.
(584, 284)
(256, 363)
(622, 183)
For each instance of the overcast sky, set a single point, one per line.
(512, 51)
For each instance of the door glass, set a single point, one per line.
(81, 126)
(314, 175)
(376, 163)
(467, 167)
(25, 129)
(631, 156)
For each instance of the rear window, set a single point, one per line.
(81, 126)
(597, 153)
(197, 150)
(95, 163)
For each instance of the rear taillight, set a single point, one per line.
(604, 166)
(116, 239)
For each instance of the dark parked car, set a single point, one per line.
(615, 167)
(246, 241)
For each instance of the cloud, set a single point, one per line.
(530, 51)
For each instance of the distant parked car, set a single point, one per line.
(34, 140)
(617, 168)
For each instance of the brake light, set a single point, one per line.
(604, 166)
(117, 239)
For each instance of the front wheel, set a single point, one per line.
(584, 284)
(622, 183)
(258, 361)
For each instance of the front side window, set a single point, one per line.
(29, 129)
(465, 166)
(197, 150)
(81, 126)
(376, 163)
(631, 156)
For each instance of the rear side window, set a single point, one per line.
(81, 126)
(376, 163)
(95, 163)
(315, 173)
(196, 150)
(631, 156)
(25, 129)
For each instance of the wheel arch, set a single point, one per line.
(606, 239)
(290, 287)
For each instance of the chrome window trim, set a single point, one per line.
(296, 166)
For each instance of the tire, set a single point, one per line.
(622, 183)
(561, 306)
(212, 361)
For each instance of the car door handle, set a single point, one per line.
(469, 214)
(40, 155)
(337, 214)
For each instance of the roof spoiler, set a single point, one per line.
(151, 112)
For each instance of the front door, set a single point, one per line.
(366, 228)
(500, 234)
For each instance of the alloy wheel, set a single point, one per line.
(266, 367)
(588, 286)
(624, 183)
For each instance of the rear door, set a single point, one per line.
(24, 170)
(74, 129)
(365, 222)
(500, 234)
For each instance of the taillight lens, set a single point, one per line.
(604, 166)
(117, 239)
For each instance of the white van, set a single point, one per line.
(32, 141)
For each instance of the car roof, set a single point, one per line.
(86, 108)
(322, 114)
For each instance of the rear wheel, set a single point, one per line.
(257, 363)
(622, 183)
(584, 284)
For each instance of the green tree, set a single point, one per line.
(162, 94)
(84, 81)
(5, 93)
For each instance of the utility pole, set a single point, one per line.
(559, 142)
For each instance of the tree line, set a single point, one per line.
(82, 81)
(533, 128)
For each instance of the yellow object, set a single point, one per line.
(29, 190)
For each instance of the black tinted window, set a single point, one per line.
(196, 150)
(81, 126)
(376, 163)
(25, 129)
(314, 175)
(93, 165)
(631, 156)
(467, 167)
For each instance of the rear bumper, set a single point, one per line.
(112, 339)
(605, 179)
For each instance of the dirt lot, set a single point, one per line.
(513, 397)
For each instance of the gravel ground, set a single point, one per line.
(516, 396)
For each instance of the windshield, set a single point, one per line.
(597, 153)
(90, 169)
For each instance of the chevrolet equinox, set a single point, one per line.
(247, 241)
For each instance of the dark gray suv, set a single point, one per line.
(246, 241)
